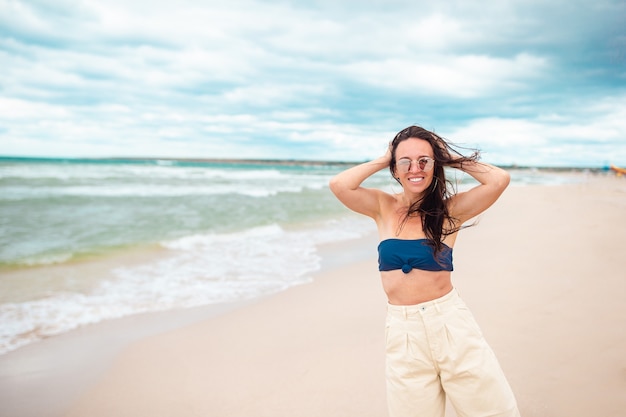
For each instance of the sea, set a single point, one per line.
(88, 240)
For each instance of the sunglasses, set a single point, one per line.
(424, 163)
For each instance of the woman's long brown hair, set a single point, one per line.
(432, 207)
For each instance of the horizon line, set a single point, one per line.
(262, 161)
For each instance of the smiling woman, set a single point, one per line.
(435, 350)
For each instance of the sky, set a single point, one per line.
(528, 82)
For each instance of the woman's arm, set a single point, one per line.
(493, 181)
(347, 187)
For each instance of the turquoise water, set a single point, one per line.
(220, 232)
(54, 211)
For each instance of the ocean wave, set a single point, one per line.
(41, 260)
(81, 172)
(194, 270)
(149, 190)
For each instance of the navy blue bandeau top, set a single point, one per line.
(415, 253)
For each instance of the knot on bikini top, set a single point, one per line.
(412, 254)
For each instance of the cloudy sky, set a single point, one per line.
(529, 82)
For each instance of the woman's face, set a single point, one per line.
(414, 165)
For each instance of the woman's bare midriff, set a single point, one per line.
(415, 287)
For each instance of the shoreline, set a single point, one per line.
(80, 356)
(535, 292)
(21, 284)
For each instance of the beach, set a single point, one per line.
(543, 271)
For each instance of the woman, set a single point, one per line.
(434, 347)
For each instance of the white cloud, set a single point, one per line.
(554, 139)
(26, 111)
(464, 76)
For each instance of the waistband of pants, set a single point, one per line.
(438, 304)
